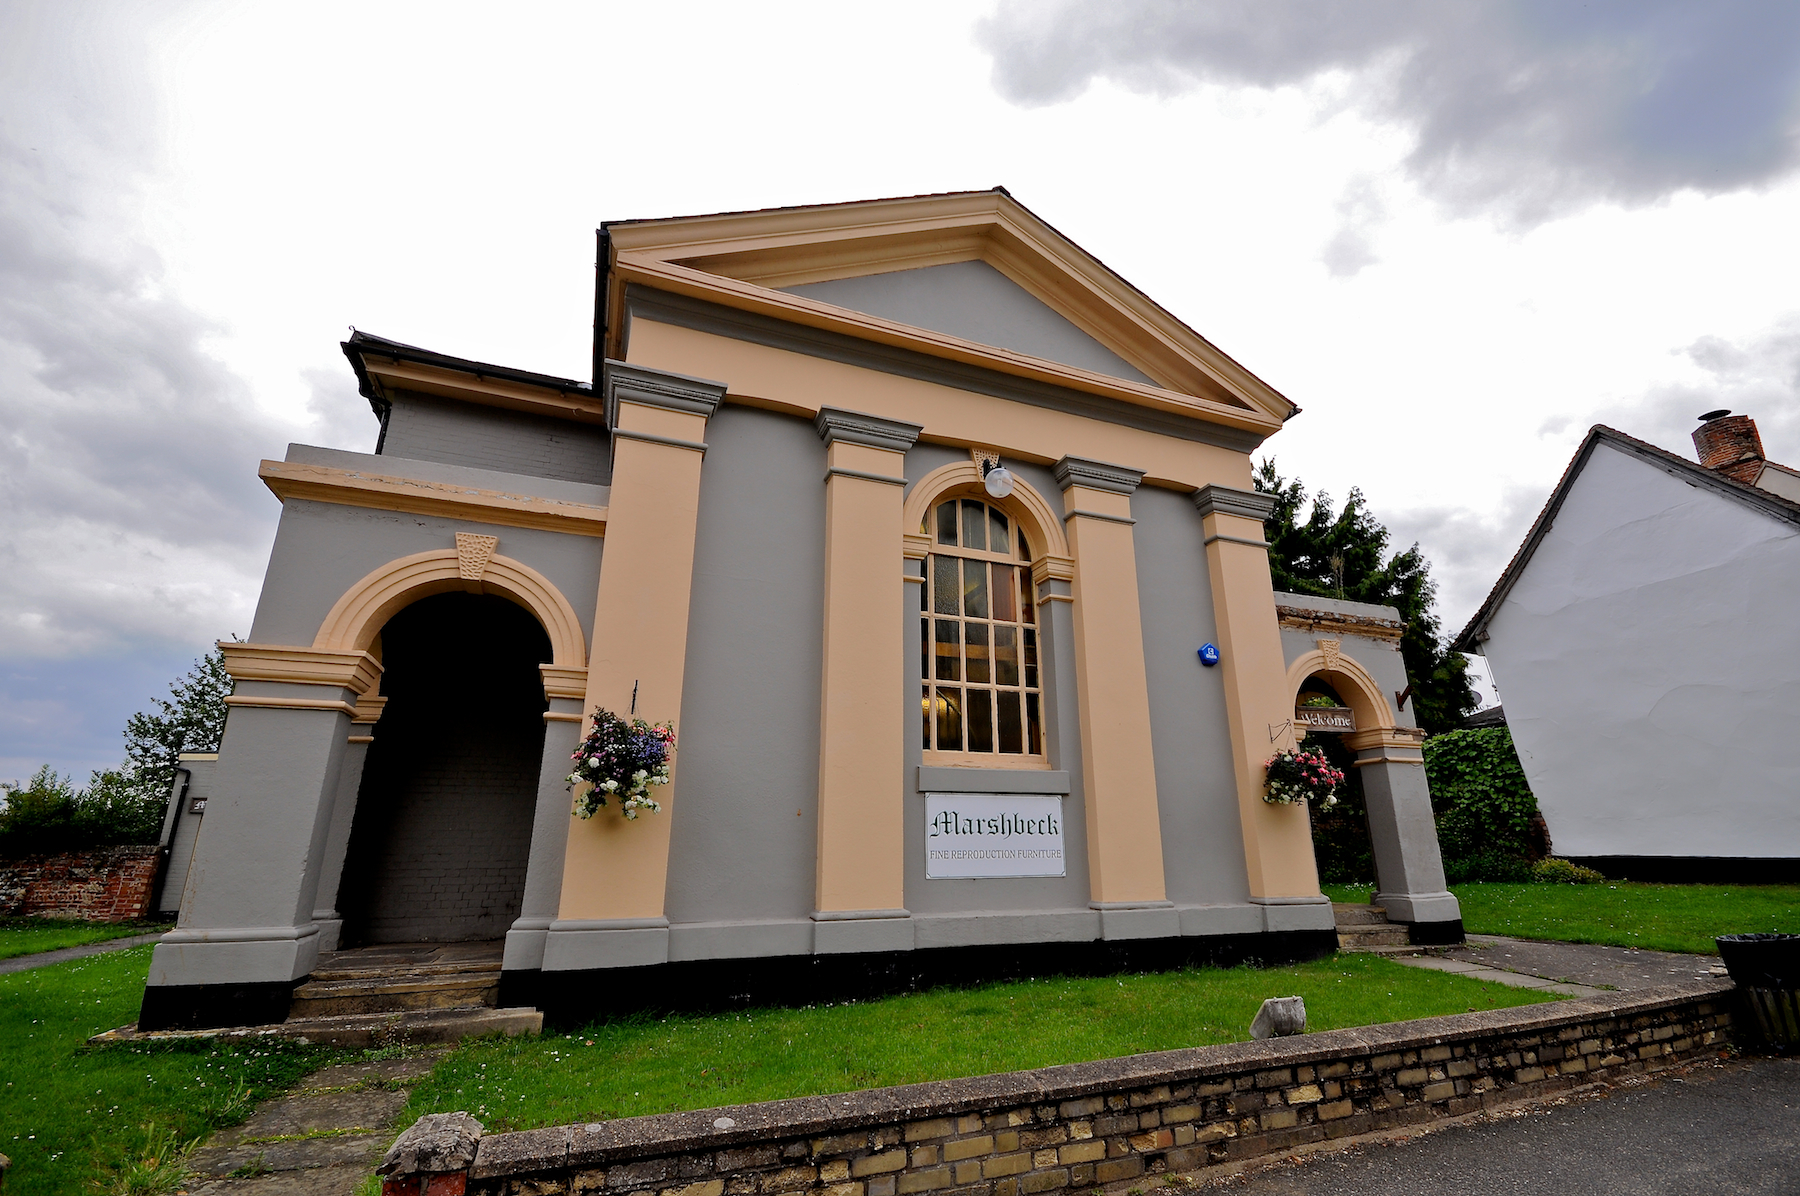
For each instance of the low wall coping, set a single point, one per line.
(599, 1143)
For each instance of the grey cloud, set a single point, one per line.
(1468, 547)
(1757, 375)
(1360, 216)
(130, 513)
(1525, 108)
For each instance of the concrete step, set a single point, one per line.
(1361, 938)
(394, 993)
(1358, 915)
(365, 1030)
(328, 970)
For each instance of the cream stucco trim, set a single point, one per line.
(343, 668)
(564, 681)
(1354, 683)
(861, 857)
(958, 478)
(357, 618)
(741, 259)
(369, 708)
(1124, 828)
(1259, 707)
(612, 868)
(411, 496)
(291, 704)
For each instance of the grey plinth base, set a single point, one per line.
(525, 943)
(1283, 915)
(857, 931)
(1121, 920)
(573, 946)
(1419, 907)
(234, 955)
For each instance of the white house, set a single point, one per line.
(1645, 642)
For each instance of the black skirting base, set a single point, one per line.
(570, 1000)
(1435, 934)
(212, 1006)
(1694, 869)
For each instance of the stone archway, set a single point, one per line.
(440, 837)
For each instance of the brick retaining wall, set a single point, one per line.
(1113, 1121)
(106, 884)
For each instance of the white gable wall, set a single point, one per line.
(1649, 659)
(978, 303)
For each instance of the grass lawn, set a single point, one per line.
(112, 1119)
(28, 936)
(658, 1065)
(1621, 913)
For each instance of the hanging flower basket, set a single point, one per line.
(621, 760)
(1294, 777)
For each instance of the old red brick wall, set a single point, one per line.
(105, 884)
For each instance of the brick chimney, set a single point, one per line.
(1730, 444)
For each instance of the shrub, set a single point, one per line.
(48, 815)
(1553, 871)
(1484, 805)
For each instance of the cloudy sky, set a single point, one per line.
(1456, 233)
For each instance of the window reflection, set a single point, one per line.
(978, 650)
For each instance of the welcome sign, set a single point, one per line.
(970, 835)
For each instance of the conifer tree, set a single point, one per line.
(1327, 553)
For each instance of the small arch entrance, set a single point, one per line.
(441, 835)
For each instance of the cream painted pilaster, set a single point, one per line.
(861, 878)
(1258, 702)
(1125, 860)
(615, 872)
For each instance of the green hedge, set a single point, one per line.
(1484, 806)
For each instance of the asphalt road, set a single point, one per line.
(1719, 1128)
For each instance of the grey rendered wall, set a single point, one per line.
(1202, 837)
(1646, 657)
(187, 832)
(1036, 895)
(743, 840)
(429, 428)
(322, 549)
(976, 302)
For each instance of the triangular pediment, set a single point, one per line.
(970, 276)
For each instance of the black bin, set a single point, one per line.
(1766, 967)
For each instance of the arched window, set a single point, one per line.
(980, 693)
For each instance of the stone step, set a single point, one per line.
(1358, 915)
(1361, 938)
(339, 971)
(394, 993)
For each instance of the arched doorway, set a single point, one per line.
(442, 830)
(1341, 845)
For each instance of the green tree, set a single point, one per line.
(1318, 550)
(1484, 805)
(126, 804)
(191, 719)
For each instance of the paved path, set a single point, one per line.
(20, 963)
(1713, 1127)
(1575, 969)
(322, 1141)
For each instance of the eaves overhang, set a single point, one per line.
(1691, 472)
(742, 259)
(383, 366)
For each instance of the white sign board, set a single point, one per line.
(993, 834)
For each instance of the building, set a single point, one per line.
(767, 519)
(1644, 641)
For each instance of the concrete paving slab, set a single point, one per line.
(351, 1075)
(364, 1109)
(338, 1180)
(221, 1160)
(1623, 968)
